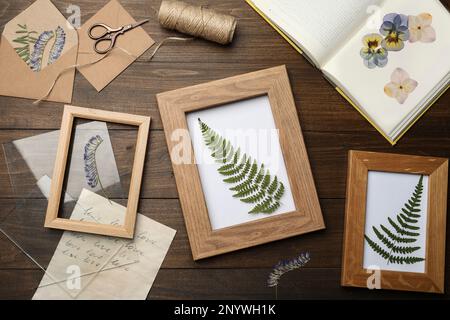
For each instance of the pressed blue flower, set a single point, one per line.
(38, 50)
(285, 266)
(395, 31)
(373, 54)
(58, 45)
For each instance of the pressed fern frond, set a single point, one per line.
(253, 184)
(285, 266)
(402, 233)
(395, 237)
(392, 244)
(90, 163)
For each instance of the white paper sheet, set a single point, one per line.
(248, 124)
(44, 184)
(319, 26)
(116, 280)
(426, 63)
(386, 195)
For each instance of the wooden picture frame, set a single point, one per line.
(70, 113)
(359, 165)
(274, 83)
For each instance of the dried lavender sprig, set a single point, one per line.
(285, 266)
(38, 50)
(90, 163)
(58, 46)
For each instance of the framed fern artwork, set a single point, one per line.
(240, 162)
(89, 160)
(395, 222)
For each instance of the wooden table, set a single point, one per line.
(330, 125)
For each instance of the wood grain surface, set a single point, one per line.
(330, 126)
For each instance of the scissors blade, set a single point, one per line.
(137, 24)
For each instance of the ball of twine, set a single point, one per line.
(197, 21)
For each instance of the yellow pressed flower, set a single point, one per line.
(372, 41)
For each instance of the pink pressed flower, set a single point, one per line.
(420, 28)
(401, 85)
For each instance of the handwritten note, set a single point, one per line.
(127, 268)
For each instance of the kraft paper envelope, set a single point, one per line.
(36, 46)
(135, 41)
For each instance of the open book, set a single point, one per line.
(389, 59)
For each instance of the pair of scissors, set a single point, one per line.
(110, 34)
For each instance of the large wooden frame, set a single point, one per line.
(127, 230)
(360, 163)
(274, 83)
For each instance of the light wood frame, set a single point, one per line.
(70, 113)
(274, 83)
(359, 165)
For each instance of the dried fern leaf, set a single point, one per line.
(404, 231)
(252, 183)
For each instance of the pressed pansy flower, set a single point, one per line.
(401, 85)
(420, 28)
(395, 31)
(372, 53)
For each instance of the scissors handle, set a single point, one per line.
(107, 30)
(111, 38)
(109, 35)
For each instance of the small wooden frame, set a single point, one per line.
(274, 83)
(359, 165)
(127, 230)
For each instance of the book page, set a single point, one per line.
(421, 65)
(320, 26)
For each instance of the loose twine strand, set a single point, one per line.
(196, 21)
(115, 49)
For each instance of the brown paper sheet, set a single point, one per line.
(17, 78)
(135, 41)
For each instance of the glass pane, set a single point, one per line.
(30, 164)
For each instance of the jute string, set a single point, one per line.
(114, 50)
(197, 21)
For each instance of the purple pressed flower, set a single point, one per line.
(396, 20)
(285, 266)
(58, 46)
(90, 164)
(38, 50)
(395, 30)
